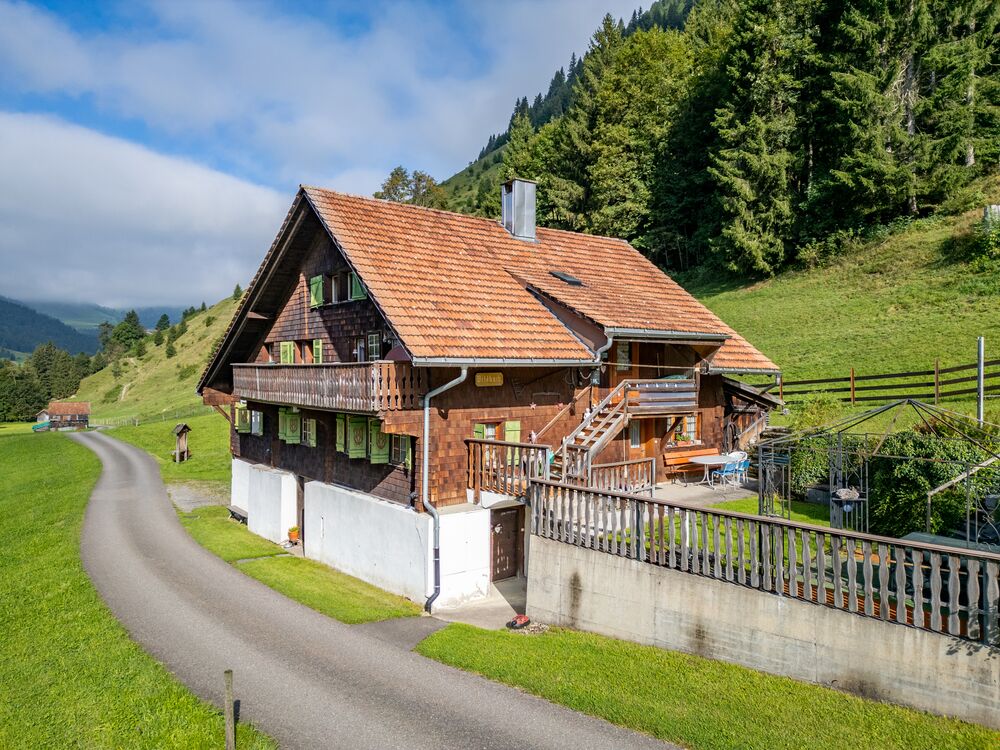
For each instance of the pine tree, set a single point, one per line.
(128, 331)
(203, 307)
(157, 337)
(170, 351)
(237, 293)
(164, 322)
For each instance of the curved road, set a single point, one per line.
(303, 678)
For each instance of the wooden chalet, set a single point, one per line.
(377, 339)
(64, 415)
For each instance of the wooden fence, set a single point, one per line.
(924, 385)
(940, 589)
(634, 477)
(505, 467)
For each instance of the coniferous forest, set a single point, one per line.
(753, 135)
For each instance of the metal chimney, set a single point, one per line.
(517, 201)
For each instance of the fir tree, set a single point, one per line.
(237, 293)
(170, 351)
(163, 323)
(157, 337)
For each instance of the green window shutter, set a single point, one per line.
(358, 290)
(242, 419)
(316, 291)
(409, 452)
(282, 422)
(341, 444)
(287, 352)
(378, 443)
(293, 428)
(318, 351)
(512, 434)
(356, 434)
(479, 431)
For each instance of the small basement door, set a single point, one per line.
(507, 546)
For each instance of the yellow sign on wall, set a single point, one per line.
(489, 379)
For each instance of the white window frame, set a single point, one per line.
(256, 423)
(374, 353)
(308, 437)
(398, 449)
(360, 349)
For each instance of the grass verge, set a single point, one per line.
(308, 582)
(69, 674)
(696, 702)
(208, 442)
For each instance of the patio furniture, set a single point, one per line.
(681, 462)
(709, 461)
(728, 474)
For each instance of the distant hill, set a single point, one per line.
(86, 317)
(22, 329)
(155, 385)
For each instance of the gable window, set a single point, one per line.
(317, 350)
(357, 289)
(374, 346)
(316, 291)
(287, 352)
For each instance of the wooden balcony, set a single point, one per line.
(353, 386)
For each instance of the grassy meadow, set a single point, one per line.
(698, 703)
(69, 674)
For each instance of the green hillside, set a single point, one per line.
(466, 190)
(893, 304)
(154, 384)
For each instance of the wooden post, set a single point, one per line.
(852, 386)
(781, 388)
(230, 712)
(937, 381)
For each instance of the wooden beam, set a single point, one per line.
(224, 413)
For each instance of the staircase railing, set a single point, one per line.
(582, 463)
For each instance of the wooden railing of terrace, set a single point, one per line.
(633, 477)
(350, 386)
(946, 590)
(505, 467)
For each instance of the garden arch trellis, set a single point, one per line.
(850, 451)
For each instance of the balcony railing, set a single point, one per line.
(350, 386)
(504, 467)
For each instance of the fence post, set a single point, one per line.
(852, 386)
(937, 381)
(980, 364)
(230, 712)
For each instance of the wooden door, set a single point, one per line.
(506, 532)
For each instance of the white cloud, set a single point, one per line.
(86, 217)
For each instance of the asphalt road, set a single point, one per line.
(307, 680)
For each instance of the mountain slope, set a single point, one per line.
(22, 329)
(894, 304)
(86, 317)
(154, 384)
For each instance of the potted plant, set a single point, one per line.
(293, 534)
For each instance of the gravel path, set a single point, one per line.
(303, 678)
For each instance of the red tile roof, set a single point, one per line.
(68, 408)
(451, 284)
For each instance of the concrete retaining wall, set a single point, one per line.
(636, 601)
(240, 486)
(390, 545)
(271, 500)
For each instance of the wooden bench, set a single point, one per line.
(237, 514)
(678, 462)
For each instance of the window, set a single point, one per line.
(635, 434)
(374, 346)
(567, 277)
(357, 289)
(316, 291)
(317, 350)
(309, 432)
(486, 430)
(242, 419)
(359, 349)
(287, 352)
(400, 454)
(623, 352)
(257, 423)
(691, 426)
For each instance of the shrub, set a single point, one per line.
(209, 320)
(183, 373)
(157, 337)
(111, 395)
(815, 410)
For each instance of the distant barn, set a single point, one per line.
(64, 415)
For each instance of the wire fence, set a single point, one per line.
(168, 415)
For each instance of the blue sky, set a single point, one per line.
(149, 149)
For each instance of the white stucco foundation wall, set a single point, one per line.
(390, 545)
(636, 601)
(271, 500)
(465, 555)
(240, 484)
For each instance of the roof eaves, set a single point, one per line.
(658, 334)
(497, 361)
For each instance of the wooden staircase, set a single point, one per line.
(572, 461)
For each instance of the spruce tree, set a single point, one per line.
(163, 323)
(237, 293)
(157, 337)
(170, 351)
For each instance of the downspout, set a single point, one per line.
(425, 482)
